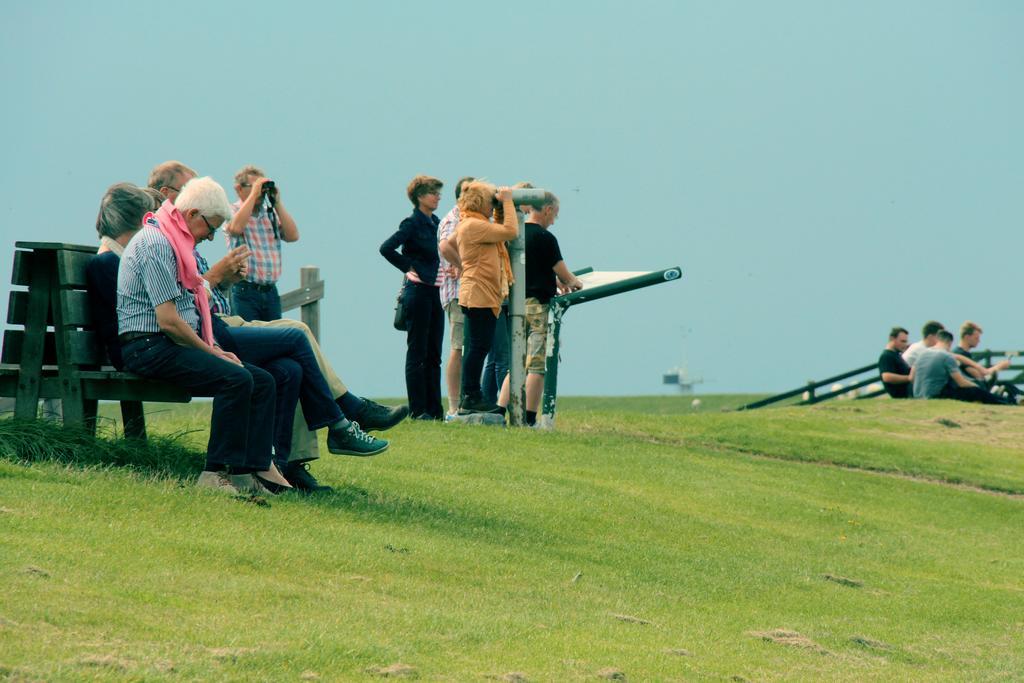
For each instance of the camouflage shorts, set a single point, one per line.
(537, 335)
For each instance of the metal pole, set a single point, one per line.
(546, 420)
(517, 323)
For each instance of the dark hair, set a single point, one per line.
(421, 185)
(897, 331)
(458, 187)
(944, 336)
(122, 209)
(969, 328)
(931, 327)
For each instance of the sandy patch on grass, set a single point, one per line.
(612, 674)
(781, 636)
(105, 661)
(870, 643)
(396, 670)
(629, 619)
(230, 653)
(510, 677)
(843, 581)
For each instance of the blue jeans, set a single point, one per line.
(242, 423)
(285, 353)
(496, 365)
(255, 302)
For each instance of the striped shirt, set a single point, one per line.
(219, 303)
(146, 278)
(449, 285)
(264, 246)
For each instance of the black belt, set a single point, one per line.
(258, 287)
(129, 337)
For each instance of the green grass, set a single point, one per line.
(456, 551)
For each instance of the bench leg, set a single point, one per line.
(134, 419)
(89, 407)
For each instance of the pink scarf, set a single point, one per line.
(172, 225)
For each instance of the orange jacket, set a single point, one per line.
(486, 270)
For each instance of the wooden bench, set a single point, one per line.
(54, 349)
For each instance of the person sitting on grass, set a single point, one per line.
(928, 339)
(937, 375)
(970, 338)
(895, 371)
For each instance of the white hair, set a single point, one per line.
(207, 196)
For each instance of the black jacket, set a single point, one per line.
(417, 235)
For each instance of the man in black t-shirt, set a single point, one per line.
(546, 276)
(894, 370)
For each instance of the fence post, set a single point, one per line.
(310, 312)
(810, 391)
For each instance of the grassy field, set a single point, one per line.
(642, 540)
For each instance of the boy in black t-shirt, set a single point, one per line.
(546, 276)
(894, 370)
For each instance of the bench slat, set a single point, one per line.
(21, 273)
(76, 308)
(101, 385)
(84, 348)
(71, 267)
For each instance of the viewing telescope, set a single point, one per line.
(528, 197)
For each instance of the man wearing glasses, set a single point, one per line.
(260, 222)
(165, 331)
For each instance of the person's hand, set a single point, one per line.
(413, 275)
(230, 269)
(575, 285)
(1001, 365)
(257, 188)
(504, 193)
(226, 355)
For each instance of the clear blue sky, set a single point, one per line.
(820, 170)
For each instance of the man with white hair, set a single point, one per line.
(292, 459)
(165, 332)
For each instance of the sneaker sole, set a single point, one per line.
(358, 454)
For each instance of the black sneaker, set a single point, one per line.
(375, 417)
(299, 476)
(477, 404)
(352, 440)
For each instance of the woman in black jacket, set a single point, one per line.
(417, 236)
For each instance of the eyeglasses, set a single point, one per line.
(212, 229)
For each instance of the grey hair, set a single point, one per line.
(122, 210)
(206, 195)
(166, 173)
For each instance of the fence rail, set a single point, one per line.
(306, 298)
(810, 395)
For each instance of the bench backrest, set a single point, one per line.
(69, 318)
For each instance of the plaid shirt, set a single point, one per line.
(218, 302)
(449, 285)
(264, 247)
